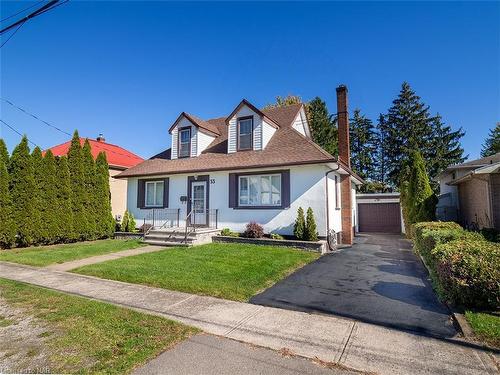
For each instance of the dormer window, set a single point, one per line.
(245, 133)
(184, 142)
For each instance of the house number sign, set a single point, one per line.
(212, 181)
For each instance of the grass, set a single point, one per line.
(486, 326)
(93, 337)
(230, 271)
(45, 255)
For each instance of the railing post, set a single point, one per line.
(144, 226)
(178, 216)
(153, 217)
(216, 218)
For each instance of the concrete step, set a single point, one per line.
(173, 238)
(166, 243)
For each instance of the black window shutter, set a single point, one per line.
(285, 189)
(165, 192)
(233, 190)
(141, 184)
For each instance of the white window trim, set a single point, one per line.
(155, 184)
(188, 143)
(259, 193)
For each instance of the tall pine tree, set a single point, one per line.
(50, 216)
(409, 126)
(492, 144)
(363, 139)
(105, 221)
(7, 226)
(64, 209)
(23, 188)
(89, 178)
(41, 202)
(4, 154)
(323, 126)
(78, 192)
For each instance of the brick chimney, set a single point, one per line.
(345, 159)
(101, 138)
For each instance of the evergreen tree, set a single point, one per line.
(420, 198)
(311, 232)
(363, 139)
(64, 208)
(41, 232)
(300, 225)
(492, 144)
(409, 126)
(323, 126)
(50, 204)
(22, 188)
(4, 154)
(124, 224)
(381, 153)
(131, 222)
(89, 179)
(7, 226)
(78, 193)
(445, 148)
(105, 221)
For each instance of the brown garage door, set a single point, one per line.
(379, 217)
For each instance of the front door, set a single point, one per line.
(199, 202)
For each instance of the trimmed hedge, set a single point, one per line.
(464, 267)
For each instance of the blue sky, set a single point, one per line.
(127, 69)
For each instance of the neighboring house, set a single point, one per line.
(252, 165)
(470, 193)
(119, 160)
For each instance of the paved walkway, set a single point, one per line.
(379, 280)
(352, 344)
(215, 355)
(102, 258)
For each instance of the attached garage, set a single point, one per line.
(379, 213)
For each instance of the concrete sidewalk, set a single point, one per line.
(352, 344)
(102, 258)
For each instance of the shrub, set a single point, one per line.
(227, 232)
(253, 230)
(299, 227)
(311, 232)
(468, 272)
(131, 223)
(276, 236)
(124, 224)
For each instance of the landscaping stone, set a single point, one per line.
(319, 246)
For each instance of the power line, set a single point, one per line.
(14, 130)
(11, 35)
(22, 11)
(31, 15)
(35, 117)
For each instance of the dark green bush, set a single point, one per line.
(276, 236)
(229, 233)
(300, 224)
(491, 234)
(469, 272)
(311, 232)
(464, 267)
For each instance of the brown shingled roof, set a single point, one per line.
(286, 147)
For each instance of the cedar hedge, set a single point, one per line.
(464, 266)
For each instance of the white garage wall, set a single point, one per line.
(307, 190)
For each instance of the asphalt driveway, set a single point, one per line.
(379, 280)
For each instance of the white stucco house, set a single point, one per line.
(251, 165)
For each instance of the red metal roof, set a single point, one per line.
(116, 155)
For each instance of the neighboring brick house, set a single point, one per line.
(470, 193)
(252, 165)
(119, 160)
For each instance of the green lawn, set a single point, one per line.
(87, 336)
(485, 326)
(230, 271)
(45, 255)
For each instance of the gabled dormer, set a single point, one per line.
(301, 124)
(191, 135)
(248, 128)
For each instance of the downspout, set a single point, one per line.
(328, 203)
